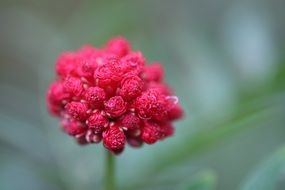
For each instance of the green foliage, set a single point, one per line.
(268, 174)
(205, 180)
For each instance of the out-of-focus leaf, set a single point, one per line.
(179, 177)
(279, 79)
(17, 140)
(249, 116)
(205, 180)
(169, 179)
(267, 173)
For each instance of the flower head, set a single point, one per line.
(112, 94)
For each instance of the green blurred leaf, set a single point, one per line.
(249, 116)
(267, 174)
(183, 177)
(205, 180)
(279, 78)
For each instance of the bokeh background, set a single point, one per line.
(224, 58)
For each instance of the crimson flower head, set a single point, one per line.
(112, 94)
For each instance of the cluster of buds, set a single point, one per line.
(111, 95)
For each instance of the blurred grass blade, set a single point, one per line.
(267, 173)
(209, 137)
(205, 180)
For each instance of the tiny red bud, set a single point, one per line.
(80, 139)
(73, 86)
(119, 46)
(151, 105)
(153, 72)
(56, 96)
(73, 127)
(114, 139)
(133, 63)
(175, 112)
(161, 87)
(77, 110)
(131, 87)
(130, 121)
(151, 133)
(135, 142)
(95, 96)
(65, 64)
(56, 93)
(115, 106)
(166, 130)
(109, 73)
(97, 122)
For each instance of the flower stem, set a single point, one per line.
(110, 172)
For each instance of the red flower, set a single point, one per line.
(111, 94)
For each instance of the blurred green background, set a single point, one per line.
(224, 58)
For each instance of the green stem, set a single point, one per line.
(110, 172)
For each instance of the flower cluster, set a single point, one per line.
(111, 95)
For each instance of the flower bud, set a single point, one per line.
(130, 121)
(77, 110)
(95, 96)
(97, 122)
(119, 46)
(73, 86)
(73, 127)
(151, 133)
(153, 72)
(115, 106)
(131, 87)
(114, 139)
